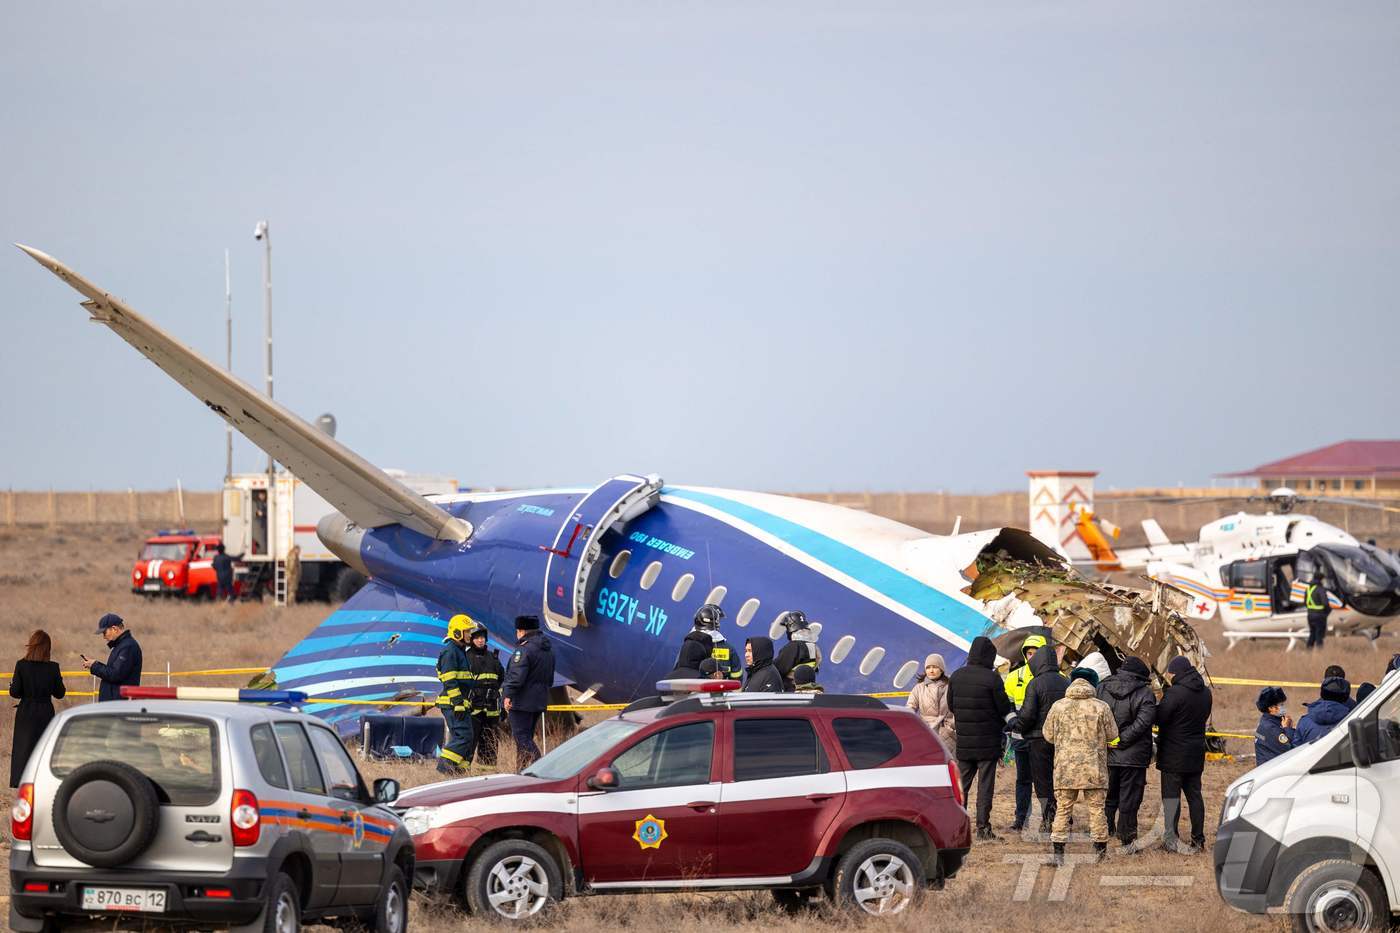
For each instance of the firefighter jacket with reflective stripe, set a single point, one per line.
(483, 690)
(730, 664)
(797, 654)
(454, 670)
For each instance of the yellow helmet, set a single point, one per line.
(458, 626)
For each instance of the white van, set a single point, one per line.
(1315, 833)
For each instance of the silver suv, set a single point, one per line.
(206, 813)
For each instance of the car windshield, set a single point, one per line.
(180, 755)
(174, 550)
(569, 758)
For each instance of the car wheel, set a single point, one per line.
(797, 900)
(391, 912)
(106, 813)
(1337, 895)
(880, 876)
(513, 880)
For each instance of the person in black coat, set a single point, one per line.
(36, 684)
(760, 673)
(981, 712)
(526, 688)
(1129, 695)
(1181, 750)
(223, 573)
(123, 666)
(1047, 685)
(695, 648)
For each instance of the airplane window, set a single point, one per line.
(682, 587)
(906, 674)
(776, 630)
(746, 612)
(717, 595)
(619, 564)
(816, 628)
(650, 574)
(872, 659)
(842, 648)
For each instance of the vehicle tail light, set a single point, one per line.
(218, 892)
(245, 818)
(22, 813)
(957, 782)
(36, 887)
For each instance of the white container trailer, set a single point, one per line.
(296, 508)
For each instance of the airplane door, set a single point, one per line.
(238, 520)
(576, 545)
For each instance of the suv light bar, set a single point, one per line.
(695, 685)
(225, 694)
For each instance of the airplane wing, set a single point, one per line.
(362, 492)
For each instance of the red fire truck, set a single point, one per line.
(176, 562)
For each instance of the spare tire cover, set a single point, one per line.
(106, 813)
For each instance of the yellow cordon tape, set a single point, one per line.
(556, 708)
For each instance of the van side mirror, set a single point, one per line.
(605, 779)
(386, 790)
(1361, 731)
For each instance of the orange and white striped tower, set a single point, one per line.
(1053, 493)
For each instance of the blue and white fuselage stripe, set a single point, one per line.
(784, 553)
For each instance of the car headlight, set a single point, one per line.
(416, 820)
(1235, 801)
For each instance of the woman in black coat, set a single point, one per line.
(1181, 751)
(36, 684)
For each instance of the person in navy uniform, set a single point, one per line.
(454, 670)
(526, 688)
(1275, 733)
(123, 666)
(223, 573)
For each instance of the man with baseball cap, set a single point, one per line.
(123, 665)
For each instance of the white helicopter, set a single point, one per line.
(1253, 570)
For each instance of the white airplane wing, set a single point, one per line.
(363, 493)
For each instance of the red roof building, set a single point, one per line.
(1349, 467)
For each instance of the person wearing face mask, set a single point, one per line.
(1275, 733)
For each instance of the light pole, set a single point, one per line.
(228, 361)
(260, 232)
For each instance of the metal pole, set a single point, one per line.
(228, 360)
(261, 232)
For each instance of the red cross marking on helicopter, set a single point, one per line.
(1202, 606)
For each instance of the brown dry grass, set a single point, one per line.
(62, 580)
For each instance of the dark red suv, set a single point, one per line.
(803, 794)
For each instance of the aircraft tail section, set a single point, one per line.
(363, 493)
(1156, 537)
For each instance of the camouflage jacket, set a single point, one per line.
(1080, 726)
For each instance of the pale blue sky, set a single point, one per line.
(771, 245)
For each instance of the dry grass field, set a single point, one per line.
(63, 579)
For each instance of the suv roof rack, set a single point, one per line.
(761, 700)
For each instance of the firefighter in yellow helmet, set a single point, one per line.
(483, 695)
(1016, 683)
(454, 670)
